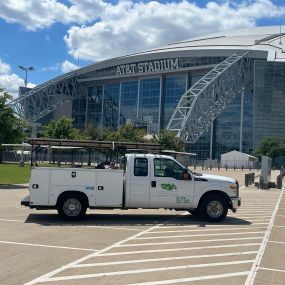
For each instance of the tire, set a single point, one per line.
(214, 208)
(194, 212)
(71, 207)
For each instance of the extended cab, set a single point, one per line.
(149, 181)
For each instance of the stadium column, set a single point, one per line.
(160, 105)
(241, 120)
(119, 107)
(86, 110)
(211, 140)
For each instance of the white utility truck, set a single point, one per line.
(149, 181)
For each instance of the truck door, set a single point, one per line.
(171, 185)
(109, 188)
(139, 183)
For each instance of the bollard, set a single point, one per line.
(194, 166)
(279, 182)
(242, 167)
(234, 167)
(218, 167)
(246, 180)
(202, 167)
(210, 167)
(226, 167)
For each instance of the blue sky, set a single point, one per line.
(51, 35)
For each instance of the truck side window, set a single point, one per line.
(141, 167)
(168, 168)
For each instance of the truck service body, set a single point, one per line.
(148, 181)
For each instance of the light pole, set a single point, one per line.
(31, 68)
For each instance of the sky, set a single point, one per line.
(58, 36)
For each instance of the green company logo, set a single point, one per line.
(168, 186)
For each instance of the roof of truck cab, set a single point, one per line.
(149, 155)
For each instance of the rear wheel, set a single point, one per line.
(71, 207)
(214, 208)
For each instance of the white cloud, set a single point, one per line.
(4, 67)
(67, 66)
(103, 30)
(128, 27)
(11, 82)
(38, 14)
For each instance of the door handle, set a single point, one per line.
(153, 183)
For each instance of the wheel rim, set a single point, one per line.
(215, 209)
(72, 207)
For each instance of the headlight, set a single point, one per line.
(234, 188)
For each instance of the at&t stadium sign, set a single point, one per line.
(148, 66)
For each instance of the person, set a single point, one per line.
(168, 172)
(112, 165)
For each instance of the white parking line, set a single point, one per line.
(6, 220)
(46, 277)
(204, 226)
(220, 234)
(255, 266)
(206, 230)
(49, 246)
(192, 279)
(280, 242)
(178, 249)
(256, 209)
(272, 269)
(163, 259)
(105, 227)
(113, 228)
(127, 272)
(251, 217)
(188, 241)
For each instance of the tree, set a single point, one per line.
(11, 128)
(126, 133)
(270, 146)
(129, 133)
(92, 133)
(168, 140)
(61, 129)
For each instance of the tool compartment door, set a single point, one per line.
(39, 186)
(109, 188)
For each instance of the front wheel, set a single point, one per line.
(71, 207)
(214, 208)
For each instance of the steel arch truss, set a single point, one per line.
(208, 97)
(44, 98)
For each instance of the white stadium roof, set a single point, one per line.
(268, 39)
(262, 42)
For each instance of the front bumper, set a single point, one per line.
(235, 203)
(26, 201)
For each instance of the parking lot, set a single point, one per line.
(144, 246)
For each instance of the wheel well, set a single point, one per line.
(214, 192)
(77, 193)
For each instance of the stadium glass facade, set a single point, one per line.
(149, 101)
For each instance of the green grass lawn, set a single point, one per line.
(14, 174)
